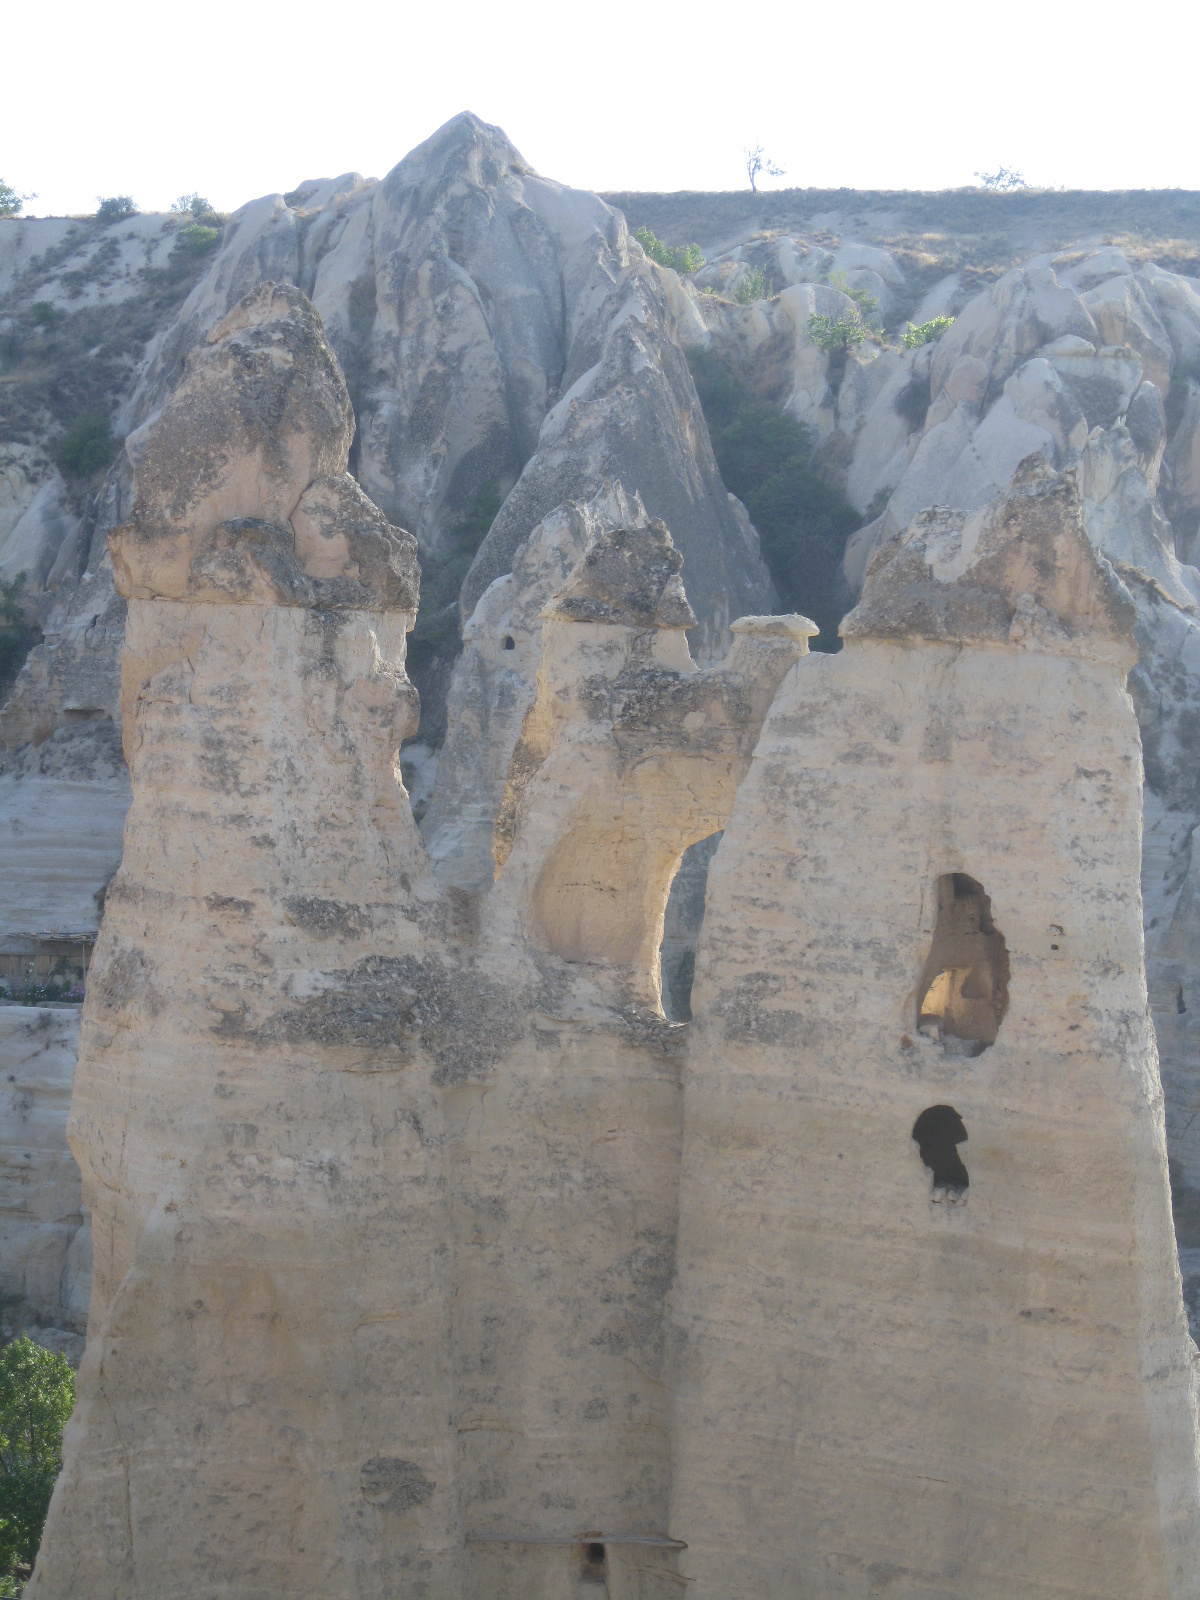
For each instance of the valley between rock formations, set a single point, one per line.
(578, 1086)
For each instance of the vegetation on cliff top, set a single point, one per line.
(803, 519)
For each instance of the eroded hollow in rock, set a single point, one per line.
(594, 1565)
(681, 928)
(938, 1132)
(963, 991)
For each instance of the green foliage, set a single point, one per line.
(198, 239)
(915, 336)
(87, 446)
(753, 287)
(836, 335)
(866, 302)
(192, 205)
(18, 634)
(438, 632)
(913, 401)
(11, 203)
(115, 207)
(37, 1392)
(686, 259)
(43, 313)
(803, 520)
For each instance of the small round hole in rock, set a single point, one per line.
(509, 642)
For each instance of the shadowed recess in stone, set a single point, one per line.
(964, 983)
(938, 1132)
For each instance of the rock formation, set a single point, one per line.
(429, 1256)
(430, 1251)
(925, 1068)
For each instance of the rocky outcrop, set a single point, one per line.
(952, 1028)
(45, 1241)
(291, 1031)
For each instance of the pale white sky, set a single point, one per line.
(241, 99)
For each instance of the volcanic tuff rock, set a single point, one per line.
(412, 1231)
(980, 967)
(317, 1089)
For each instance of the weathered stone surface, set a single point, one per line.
(861, 1418)
(45, 1259)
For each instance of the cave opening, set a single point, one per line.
(963, 989)
(594, 1567)
(938, 1132)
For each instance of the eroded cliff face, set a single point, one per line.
(926, 1068)
(429, 1254)
(362, 1258)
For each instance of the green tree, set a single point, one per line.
(37, 1392)
(10, 201)
(915, 335)
(18, 634)
(803, 520)
(86, 447)
(686, 259)
(115, 207)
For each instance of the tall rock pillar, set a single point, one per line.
(930, 1336)
(264, 1402)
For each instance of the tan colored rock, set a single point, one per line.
(929, 1330)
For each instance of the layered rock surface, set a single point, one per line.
(1004, 1402)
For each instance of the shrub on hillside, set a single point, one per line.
(915, 335)
(685, 259)
(115, 207)
(197, 239)
(86, 447)
(37, 1392)
(836, 334)
(754, 286)
(803, 520)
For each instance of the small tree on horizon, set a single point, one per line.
(11, 202)
(758, 164)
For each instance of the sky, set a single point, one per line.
(235, 100)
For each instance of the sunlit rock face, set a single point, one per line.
(436, 1251)
(925, 1252)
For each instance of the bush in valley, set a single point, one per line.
(915, 335)
(18, 634)
(803, 520)
(43, 313)
(37, 1392)
(87, 446)
(115, 207)
(685, 259)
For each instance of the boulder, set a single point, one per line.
(200, 462)
(1125, 316)
(1146, 420)
(1103, 381)
(38, 535)
(1183, 459)
(1177, 300)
